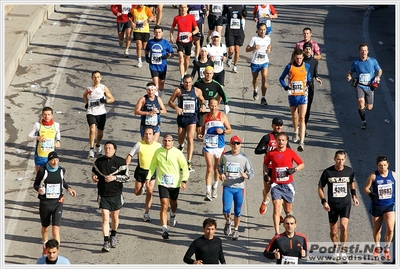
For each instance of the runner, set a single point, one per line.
(282, 186)
(187, 28)
(213, 130)
(217, 53)
(233, 168)
(264, 14)
(110, 172)
(187, 110)
(49, 184)
(150, 107)
(289, 247)
(383, 207)
(266, 144)
(207, 248)
(52, 257)
(96, 97)
(46, 133)
(157, 51)
(198, 12)
(124, 26)
(145, 150)
(201, 63)
(172, 175)
(341, 192)
(260, 45)
(215, 20)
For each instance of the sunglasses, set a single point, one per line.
(236, 143)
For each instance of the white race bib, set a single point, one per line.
(364, 78)
(94, 102)
(156, 58)
(233, 169)
(189, 106)
(235, 23)
(289, 260)
(47, 145)
(280, 173)
(385, 191)
(211, 140)
(184, 37)
(126, 9)
(151, 120)
(201, 72)
(167, 180)
(195, 14)
(339, 189)
(53, 191)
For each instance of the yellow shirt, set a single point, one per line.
(139, 16)
(44, 148)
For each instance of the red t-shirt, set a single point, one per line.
(124, 10)
(280, 162)
(186, 24)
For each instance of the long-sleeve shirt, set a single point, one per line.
(169, 163)
(232, 166)
(208, 251)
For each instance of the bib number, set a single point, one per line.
(184, 37)
(201, 72)
(195, 14)
(385, 191)
(167, 180)
(53, 191)
(156, 58)
(289, 260)
(280, 173)
(339, 190)
(47, 145)
(211, 140)
(189, 106)
(126, 9)
(364, 78)
(233, 169)
(235, 23)
(151, 120)
(94, 102)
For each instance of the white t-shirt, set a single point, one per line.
(217, 52)
(260, 56)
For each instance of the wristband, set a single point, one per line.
(323, 201)
(353, 192)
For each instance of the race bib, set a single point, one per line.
(216, 9)
(184, 37)
(195, 14)
(207, 108)
(289, 260)
(47, 145)
(211, 140)
(94, 102)
(217, 61)
(235, 23)
(53, 191)
(201, 72)
(126, 9)
(280, 173)
(167, 180)
(233, 169)
(156, 58)
(339, 190)
(385, 191)
(189, 106)
(139, 25)
(297, 86)
(151, 120)
(364, 78)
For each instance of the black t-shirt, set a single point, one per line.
(209, 251)
(339, 183)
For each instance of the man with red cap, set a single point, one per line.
(233, 168)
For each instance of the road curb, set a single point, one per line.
(21, 43)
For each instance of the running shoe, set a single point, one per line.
(228, 228)
(234, 69)
(139, 64)
(126, 54)
(306, 134)
(44, 250)
(99, 151)
(229, 62)
(106, 246)
(190, 167)
(343, 257)
(91, 153)
(300, 147)
(235, 235)
(208, 197)
(144, 189)
(363, 125)
(172, 220)
(255, 95)
(146, 217)
(295, 137)
(386, 253)
(121, 43)
(336, 256)
(214, 192)
(264, 101)
(180, 147)
(377, 251)
(113, 241)
(165, 235)
(263, 207)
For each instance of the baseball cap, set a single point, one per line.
(52, 155)
(307, 45)
(277, 121)
(215, 33)
(236, 138)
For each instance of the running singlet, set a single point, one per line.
(149, 105)
(146, 153)
(44, 148)
(139, 16)
(188, 102)
(384, 187)
(211, 138)
(260, 56)
(297, 80)
(95, 107)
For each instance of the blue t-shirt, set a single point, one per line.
(365, 71)
(158, 48)
(60, 260)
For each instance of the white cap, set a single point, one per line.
(215, 33)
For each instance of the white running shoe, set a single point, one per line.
(172, 220)
(126, 54)
(146, 217)
(295, 137)
(139, 64)
(234, 69)
(99, 151)
(91, 153)
(229, 62)
(214, 192)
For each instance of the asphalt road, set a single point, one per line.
(79, 39)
